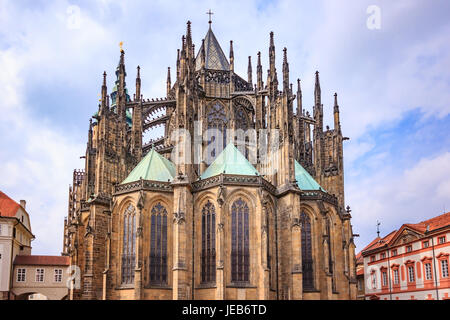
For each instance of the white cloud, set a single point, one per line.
(379, 76)
(395, 197)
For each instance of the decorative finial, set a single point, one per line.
(210, 13)
(378, 229)
(120, 45)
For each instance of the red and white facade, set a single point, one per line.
(410, 263)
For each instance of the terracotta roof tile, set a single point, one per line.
(42, 260)
(435, 223)
(8, 207)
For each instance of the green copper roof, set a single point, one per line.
(152, 167)
(230, 161)
(304, 179)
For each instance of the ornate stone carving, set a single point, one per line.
(178, 217)
(221, 195)
(141, 200)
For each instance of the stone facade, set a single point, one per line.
(208, 90)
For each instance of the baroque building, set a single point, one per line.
(241, 198)
(410, 263)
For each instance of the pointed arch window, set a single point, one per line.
(128, 244)
(242, 140)
(307, 259)
(240, 250)
(208, 243)
(158, 245)
(330, 254)
(241, 118)
(217, 131)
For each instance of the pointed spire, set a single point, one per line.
(272, 54)
(317, 93)
(104, 90)
(183, 45)
(318, 110)
(299, 99)
(202, 54)
(122, 92)
(231, 56)
(259, 72)
(285, 71)
(169, 85)
(336, 106)
(249, 71)
(337, 124)
(188, 31)
(138, 84)
(272, 76)
(178, 63)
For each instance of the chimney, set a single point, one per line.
(23, 204)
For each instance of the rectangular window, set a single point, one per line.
(21, 275)
(408, 248)
(444, 267)
(426, 244)
(394, 252)
(372, 258)
(384, 278)
(441, 240)
(58, 275)
(39, 275)
(0, 229)
(428, 275)
(396, 278)
(374, 281)
(383, 255)
(411, 274)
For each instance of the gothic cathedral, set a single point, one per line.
(240, 198)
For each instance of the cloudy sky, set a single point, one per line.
(392, 76)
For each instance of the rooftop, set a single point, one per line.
(152, 167)
(230, 161)
(214, 57)
(304, 180)
(8, 207)
(432, 224)
(41, 260)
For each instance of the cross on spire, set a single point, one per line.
(210, 13)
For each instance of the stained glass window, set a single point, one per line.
(217, 135)
(129, 245)
(208, 243)
(240, 250)
(307, 259)
(158, 245)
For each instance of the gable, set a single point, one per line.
(405, 235)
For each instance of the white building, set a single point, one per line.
(410, 263)
(23, 275)
(15, 239)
